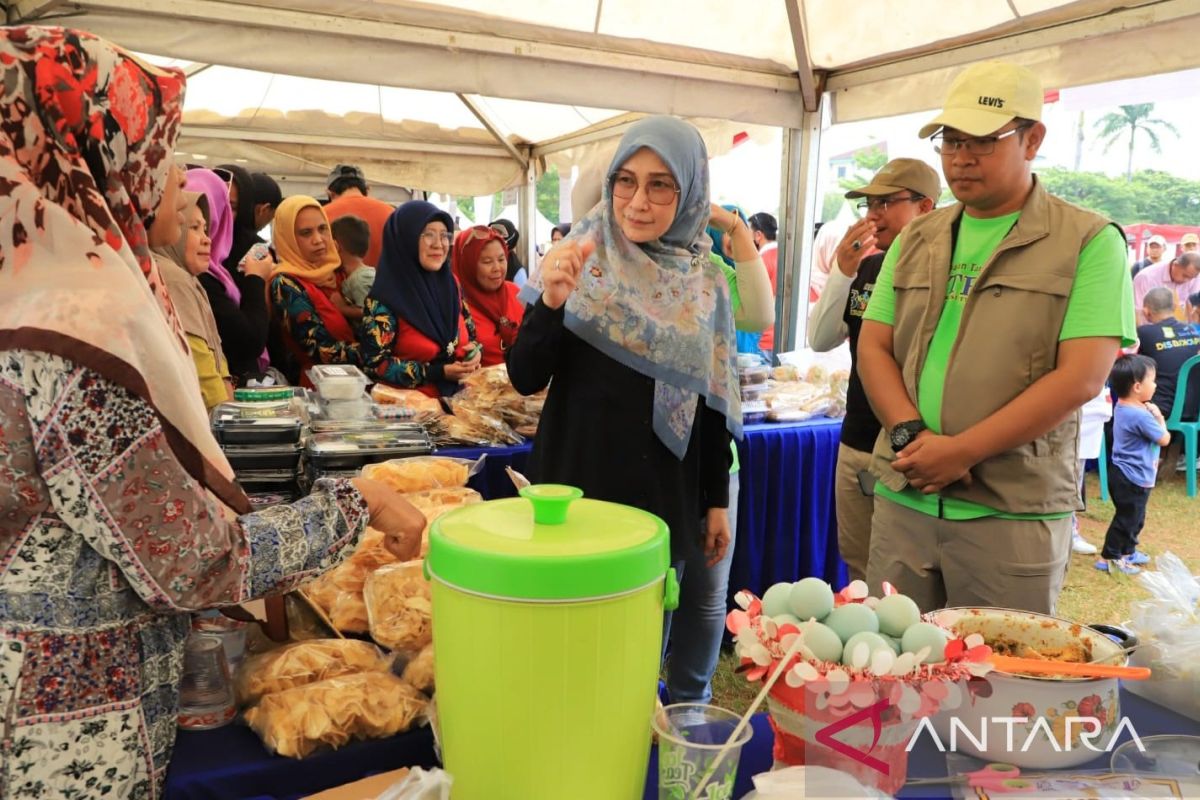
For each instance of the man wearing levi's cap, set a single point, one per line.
(992, 322)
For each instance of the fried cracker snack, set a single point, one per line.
(302, 663)
(368, 705)
(420, 474)
(419, 672)
(419, 402)
(399, 607)
(339, 591)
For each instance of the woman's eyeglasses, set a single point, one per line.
(435, 237)
(660, 191)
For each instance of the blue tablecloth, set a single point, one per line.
(786, 524)
(231, 763)
(787, 529)
(491, 481)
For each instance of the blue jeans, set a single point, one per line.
(696, 629)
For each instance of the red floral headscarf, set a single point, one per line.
(87, 133)
(501, 305)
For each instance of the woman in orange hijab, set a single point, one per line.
(306, 286)
(481, 264)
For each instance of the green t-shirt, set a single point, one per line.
(1100, 304)
(735, 305)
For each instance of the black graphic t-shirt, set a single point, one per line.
(860, 428)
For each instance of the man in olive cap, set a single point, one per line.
(992, 322)
(900, 192)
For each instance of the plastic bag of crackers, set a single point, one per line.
(330, 713)
(400, 608)
(422, 473)
(302, 663)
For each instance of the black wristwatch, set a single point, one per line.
(902, 435)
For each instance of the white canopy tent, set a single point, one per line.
(539, 77)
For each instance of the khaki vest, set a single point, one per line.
(1008, 339)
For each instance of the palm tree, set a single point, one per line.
(1130, 120)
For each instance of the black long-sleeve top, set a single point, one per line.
(243, 327)
(596, 431)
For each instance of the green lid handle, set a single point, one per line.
(671, 591)
(425, 569)
(550, 501)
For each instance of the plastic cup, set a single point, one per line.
(205, 690)
(690, 735)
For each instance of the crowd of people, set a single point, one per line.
(134, 294)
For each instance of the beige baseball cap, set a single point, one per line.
(1190, 238)
(984, 97)
(898, 175)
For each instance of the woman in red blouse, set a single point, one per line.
(481, 264)
(417, 332)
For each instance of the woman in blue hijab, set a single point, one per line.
(631, 326)
(417, 332)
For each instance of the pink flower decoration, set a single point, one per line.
(737, 621)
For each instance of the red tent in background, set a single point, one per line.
(1140, 233)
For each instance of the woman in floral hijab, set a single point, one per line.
(116, 505)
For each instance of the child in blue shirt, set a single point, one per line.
(1138, 433)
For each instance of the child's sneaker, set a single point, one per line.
(1082, 546)
(1119, 564)
(1138, 558)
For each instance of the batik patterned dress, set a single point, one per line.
(106, 545)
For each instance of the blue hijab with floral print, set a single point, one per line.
(660, 308)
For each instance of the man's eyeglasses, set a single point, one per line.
(880, 204)
(974, 145)
(434, 237)
(660, 191)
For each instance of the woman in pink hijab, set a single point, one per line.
(239, 301)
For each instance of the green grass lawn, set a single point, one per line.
(1089, 596)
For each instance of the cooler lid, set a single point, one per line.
(548, 544)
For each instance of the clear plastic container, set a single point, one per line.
(252, 423)
(338, 381)
(356, 408)
(753, 376)
(754, 393)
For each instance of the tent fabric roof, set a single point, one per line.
(473, 88)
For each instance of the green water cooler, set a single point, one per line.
(547, 629)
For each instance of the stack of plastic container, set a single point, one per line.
(262, 441)
(753, 375)
(350, 431)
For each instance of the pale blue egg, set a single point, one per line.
(775, 601)
(822, 641)
(874, 642)
(852, 618)
(897, 613)
(924, 634)
(811, 598)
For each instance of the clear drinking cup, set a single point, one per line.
(205, 691)
(690, 737)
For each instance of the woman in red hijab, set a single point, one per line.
(481, 264)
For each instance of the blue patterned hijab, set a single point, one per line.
(660, 308)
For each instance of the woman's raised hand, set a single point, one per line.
(561, 270)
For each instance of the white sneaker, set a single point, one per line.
(1082, 546)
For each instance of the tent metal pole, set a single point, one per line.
(527, 209)
(797, 216)
(493, 129)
